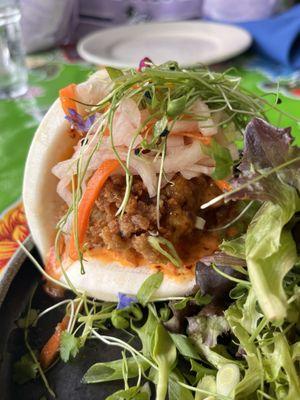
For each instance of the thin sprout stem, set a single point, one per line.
(75, 223)
(168, 299)
(265, 395)
(259, 328)
(163, 155)
(40, 268)
(119, 343)
(110, 340)
(72, 326)
(206, 392)
(78, 328)
(231, 278)
(61, 303)
(31, 352)
(71, 316)
(234, 220)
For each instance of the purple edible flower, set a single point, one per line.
(145, 63)
(125, 301)
(78, 122)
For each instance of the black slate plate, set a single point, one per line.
(64, 379)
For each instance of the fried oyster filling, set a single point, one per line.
(180, 202)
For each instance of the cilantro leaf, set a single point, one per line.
(25, 369)
(69, 346)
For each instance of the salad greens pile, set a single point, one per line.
(237, 336)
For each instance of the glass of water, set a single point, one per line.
(13, 73)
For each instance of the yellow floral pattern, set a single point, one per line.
(13, 227)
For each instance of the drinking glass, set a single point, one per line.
(13, 73)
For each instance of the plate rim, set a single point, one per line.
(13, 266)
(104, 60)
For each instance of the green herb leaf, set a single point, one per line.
(69, 346)
(251, 315)
(133, 393)
(202, 300)
(156, 241)
(198, 298)
(114, 73)
(282, 356)
(238, 292)
(181, 304)
(149, 287)
(200, 370)
(207, 383)
(118, 320)
(234, 247)
(176, 106)
(175, 390)
(222, 158)
(185, 346)
(25, 369)
(296, 351)
(146, 333)
(113, 370)
(254, 373)
(165, 313)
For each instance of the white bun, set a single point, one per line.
(105, 280)
(101, 280)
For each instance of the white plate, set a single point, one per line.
(188, 42)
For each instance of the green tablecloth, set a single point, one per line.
(51, 71)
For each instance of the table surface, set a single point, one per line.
(48, 72)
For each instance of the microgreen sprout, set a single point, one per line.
(157, 241)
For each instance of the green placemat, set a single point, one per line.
(20, 118)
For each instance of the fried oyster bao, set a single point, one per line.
(119, 168)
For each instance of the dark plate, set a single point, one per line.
(64, 379)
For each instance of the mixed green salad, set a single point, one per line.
(237, 335)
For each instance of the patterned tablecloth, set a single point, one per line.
(51, 71)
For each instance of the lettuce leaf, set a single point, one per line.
(270, 254)
(254, 373)
(206, 330)
(269, 163)
(270, 171)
